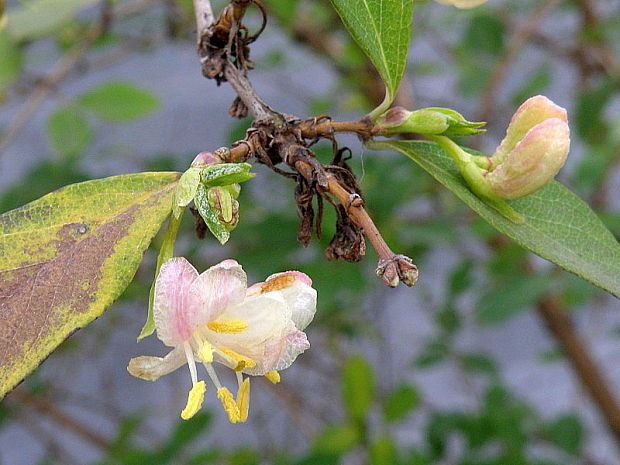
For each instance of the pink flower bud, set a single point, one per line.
(205, 158)
(535, 148)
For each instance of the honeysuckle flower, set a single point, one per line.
(214, 317)
(534, 150)
(463, 4)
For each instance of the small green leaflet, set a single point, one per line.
(382, 28)
(186, 190)
(210, 215)
(223, 174)
(119, 101)
(559, 226)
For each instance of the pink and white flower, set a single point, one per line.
(213, 317)
(535, 148)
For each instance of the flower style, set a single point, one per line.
(535, 148)
(214, 317)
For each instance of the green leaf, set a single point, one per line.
(337, 439)
(224, 174)
(433, 352)
(382, 451)
(11, 59)
(68, 131)
(210, 215)
(186, 190)
(38, 18)
(358, 387)
(119, 101)
(67, 256)
(567, 432)
(382, 28)
(401, 402)
(559, 226)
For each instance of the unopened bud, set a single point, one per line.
(534, 150)
(225, 205)
(205, 158)
(396, 269)
(407, 271)
(388, 273)
(428, 121)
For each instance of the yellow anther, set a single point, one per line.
(242, 362)
(229, 404)
(194, 400)
(243, 400)
(205, 352)
(228, 327)
(273, 376)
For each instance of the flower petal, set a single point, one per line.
(151, 368)
(218, 288)
(295, 288)
(533, 111)
(171, 312)
(534, 162)
(295, 343)
(268, 320)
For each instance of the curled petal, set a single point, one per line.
(295, 288)
(534, 162)
(295, 343)
(174, 319)
(221, 286)
(532, 112)
(151, 368)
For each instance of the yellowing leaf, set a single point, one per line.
(65, 257)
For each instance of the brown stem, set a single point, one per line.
(392, 268)
(592, 380)
(244, 89)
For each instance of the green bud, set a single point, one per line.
(225, 206)
(427, 121)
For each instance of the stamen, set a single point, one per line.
(243, 400)
(189, 354)
(228, 327)
(194, 400)
(242, 361)
(273, 376)
(229, 404)
(213, 376)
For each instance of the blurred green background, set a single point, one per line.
(458, 370)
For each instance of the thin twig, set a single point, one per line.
(562, 328)
(204, 17)
(44, 406)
